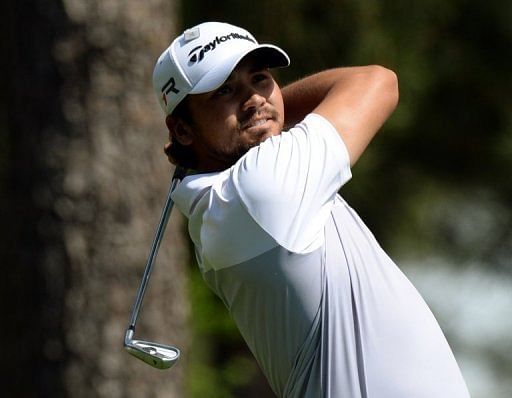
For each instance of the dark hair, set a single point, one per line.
(182, 154)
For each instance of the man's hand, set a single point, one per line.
(356, 100)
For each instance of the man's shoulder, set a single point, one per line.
(222, 230)
(194, 187)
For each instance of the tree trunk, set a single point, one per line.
(86, 180)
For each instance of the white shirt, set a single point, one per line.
(322, 307)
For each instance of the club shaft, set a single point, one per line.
(164, 218)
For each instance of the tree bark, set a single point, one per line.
(86, 179)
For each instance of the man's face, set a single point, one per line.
(247, 109)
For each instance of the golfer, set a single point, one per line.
(322, 307)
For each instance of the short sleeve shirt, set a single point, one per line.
(324, 310)
(284, 187)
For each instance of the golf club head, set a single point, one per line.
(157, 355)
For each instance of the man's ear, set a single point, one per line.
(179, 130)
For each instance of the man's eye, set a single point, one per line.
(223, 90)
(260, 77)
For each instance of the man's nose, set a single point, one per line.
(253, 101)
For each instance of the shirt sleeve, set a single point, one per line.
(288, 184)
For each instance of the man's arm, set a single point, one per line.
(356, 100)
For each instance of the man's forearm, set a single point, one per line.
(356, 100)
(304, 95)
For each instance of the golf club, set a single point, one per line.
(157, 355)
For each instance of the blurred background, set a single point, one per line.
(83, 180)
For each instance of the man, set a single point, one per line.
(323, 309)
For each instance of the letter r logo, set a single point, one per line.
(167, 88)
(170, 86)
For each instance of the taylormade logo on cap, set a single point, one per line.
(197, 54)
(202, 58)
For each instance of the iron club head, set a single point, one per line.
(157, 355)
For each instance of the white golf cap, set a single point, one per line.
(202, 58)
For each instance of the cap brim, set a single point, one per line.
(272, 57)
